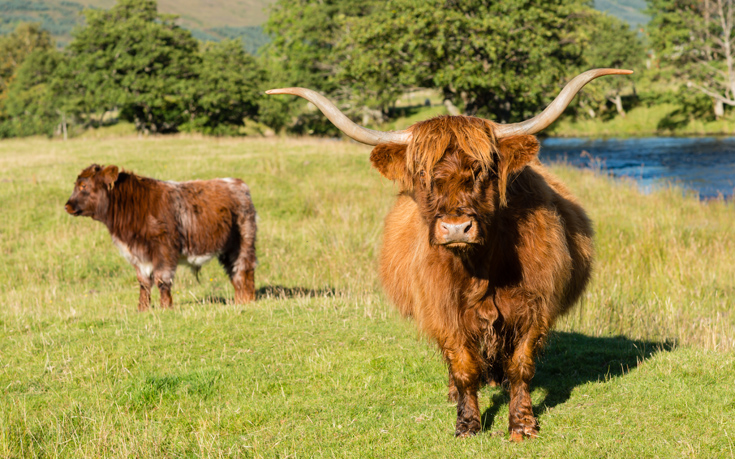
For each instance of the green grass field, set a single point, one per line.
(321, 365)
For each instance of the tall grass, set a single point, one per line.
(321, 365)
(664, 268)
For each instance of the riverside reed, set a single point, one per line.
(321, 365)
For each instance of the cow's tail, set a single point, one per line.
(196, 269)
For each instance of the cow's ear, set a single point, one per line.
(109, 175)
(515, 153)
(390, 160)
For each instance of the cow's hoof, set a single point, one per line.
(465, 433)
(519, 434)
(516, 437)
(467, 429)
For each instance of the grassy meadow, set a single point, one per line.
(321, 365)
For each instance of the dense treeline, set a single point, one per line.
(129, 63)
(502, 60)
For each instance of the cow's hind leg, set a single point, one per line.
(465, 369)
(164, 280)
(144, 300)
(238, 259)
(519, 370)
(241, 270)
(244, 284)
(494, 374)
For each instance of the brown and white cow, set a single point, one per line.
(484, 248)
(158, 225)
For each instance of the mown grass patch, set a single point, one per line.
(321, 365)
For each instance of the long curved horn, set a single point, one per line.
(344, 124)
(555, 108)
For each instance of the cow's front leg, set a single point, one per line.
(164, 280)
(520, 369)
(144, 300)
(452, 395)
(465, 370)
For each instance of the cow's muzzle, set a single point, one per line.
(71, 210)
(456, 231)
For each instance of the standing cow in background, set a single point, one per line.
(158, 225)
(484, 248)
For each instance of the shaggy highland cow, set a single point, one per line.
(157, 225)
(484, 248)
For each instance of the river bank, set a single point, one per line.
(702, 165)
(655, 121)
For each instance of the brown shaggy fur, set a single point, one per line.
(157, 225)
(485, 249)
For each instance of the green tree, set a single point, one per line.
(609, 42)
(303, 51)
(138, 61)
(502, 59)
(15, 47)
(696, 39)
(304, 36)
(32, 105)
(27, 59)
(228, 88)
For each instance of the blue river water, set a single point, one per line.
(705, 165)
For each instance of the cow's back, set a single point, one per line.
(208, 213)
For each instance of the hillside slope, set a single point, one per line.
(212, 20)
(630, 11)
(202, 14)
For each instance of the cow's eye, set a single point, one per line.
(82, 186)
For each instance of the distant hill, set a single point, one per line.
(210, 20)
(630, 11)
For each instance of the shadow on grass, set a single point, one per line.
(280, 291)
(272, 291)
(572, 359)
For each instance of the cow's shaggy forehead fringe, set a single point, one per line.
(90, 171)
(433, 137)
